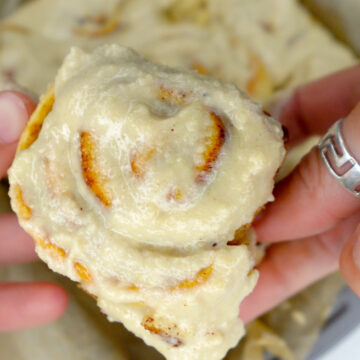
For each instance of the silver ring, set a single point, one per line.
(338, 160)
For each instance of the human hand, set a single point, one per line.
(314, 220)
(22, 305)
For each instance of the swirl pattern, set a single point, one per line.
(140, 182)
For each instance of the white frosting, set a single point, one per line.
(182, 161)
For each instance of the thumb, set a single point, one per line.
(311, 201)
(15, 110)
(350, 261)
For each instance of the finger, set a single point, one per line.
(350, 261)
(15, 245)
(7, 153)
(310, 200)
(15, 110)
(290, 267)
(25, 305)
(314, 107)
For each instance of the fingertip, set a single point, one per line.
(21, 99)
(15, 110)
(54, 300)
(28, 103)
(27, 305)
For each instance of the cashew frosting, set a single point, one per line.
(137, 180)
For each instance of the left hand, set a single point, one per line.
(22, 305)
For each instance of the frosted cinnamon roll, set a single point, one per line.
(137, 180)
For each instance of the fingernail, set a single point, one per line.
(13, 117)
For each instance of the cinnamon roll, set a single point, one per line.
(140, 181)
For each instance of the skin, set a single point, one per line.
(321, 235)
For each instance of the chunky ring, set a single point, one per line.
(338, 160)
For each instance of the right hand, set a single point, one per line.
(314, 222)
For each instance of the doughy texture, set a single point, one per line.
(292, 45)
(261, 46)
(134, 184)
